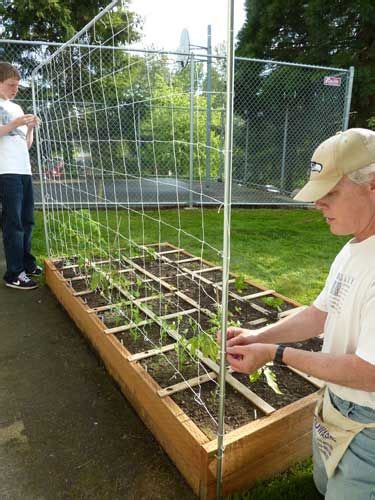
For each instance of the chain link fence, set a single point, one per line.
(129, 127)
(282, 113)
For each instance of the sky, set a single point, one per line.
(165, 19)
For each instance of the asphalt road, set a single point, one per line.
(66, 431)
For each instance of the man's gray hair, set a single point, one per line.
(364, 175)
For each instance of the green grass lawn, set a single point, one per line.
(284, 249)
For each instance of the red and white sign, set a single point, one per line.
(332, 81)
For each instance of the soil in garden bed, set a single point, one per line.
(205, 295)
(161, 248)
(94, 299)
(122, 316)
(214, 276)
(238, 410)
(144, 338)
(315, 344)
(179, 280)
(79, 285)
(243, 289)
(194, 265)
(274, 305)
(177, 255)
(59, 263)
(161, 269)
(165, 305)
(72, 272)
(185, 325)
(292, 386)
(242, 312)
(167, 370)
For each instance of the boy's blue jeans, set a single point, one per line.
(16, 195)
(354, 478)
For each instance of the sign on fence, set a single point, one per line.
(332, 81)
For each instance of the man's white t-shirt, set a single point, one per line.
(14, 155)
(349, 299)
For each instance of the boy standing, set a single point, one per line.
(16, 190)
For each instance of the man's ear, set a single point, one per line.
(372, 185)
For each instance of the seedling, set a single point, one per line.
(136, 315)
(181, 351)
(269, 375)
(205, 344)
(274, 302)
(118, 314)
(134, 333)
(151, 252)
(163, 332)
(240, 283)
(98, 281)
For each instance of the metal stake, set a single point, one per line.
(226, 239)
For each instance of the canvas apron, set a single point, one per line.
(333, 432)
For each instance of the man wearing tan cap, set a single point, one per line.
(342, 185)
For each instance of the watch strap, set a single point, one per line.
(278, 359)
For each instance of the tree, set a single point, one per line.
(56, 21)
(339, 34)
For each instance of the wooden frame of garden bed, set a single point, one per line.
(254, 451)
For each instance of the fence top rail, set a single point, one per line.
(103, 47)
(166, 52)
(284, 63)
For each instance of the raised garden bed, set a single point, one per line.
(137, 323)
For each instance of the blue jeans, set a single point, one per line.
(354, 478)
(16, 195)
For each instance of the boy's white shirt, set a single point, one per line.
(14, 154)
(349, 299)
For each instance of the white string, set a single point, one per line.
(85, 96)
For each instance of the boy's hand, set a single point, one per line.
(30, 121)
(35, 122)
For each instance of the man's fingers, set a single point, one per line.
(236, 362)
(236, 341)
(236, 350)
(232, 333)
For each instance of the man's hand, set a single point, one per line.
(238, 336)
(248, 358)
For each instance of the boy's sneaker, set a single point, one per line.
(22, 282)
(38, 271)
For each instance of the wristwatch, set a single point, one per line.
(278, 359)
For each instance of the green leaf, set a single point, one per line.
(240, 282)
(95, 280)
(253, 377)
(271, 379)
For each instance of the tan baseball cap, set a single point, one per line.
(339, 155)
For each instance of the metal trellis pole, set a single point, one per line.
(285, 142)
(226, 238)
(191, 152)
(348, 97)
(39, 157)
(208, 101)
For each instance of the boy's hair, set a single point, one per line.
(8, 71)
